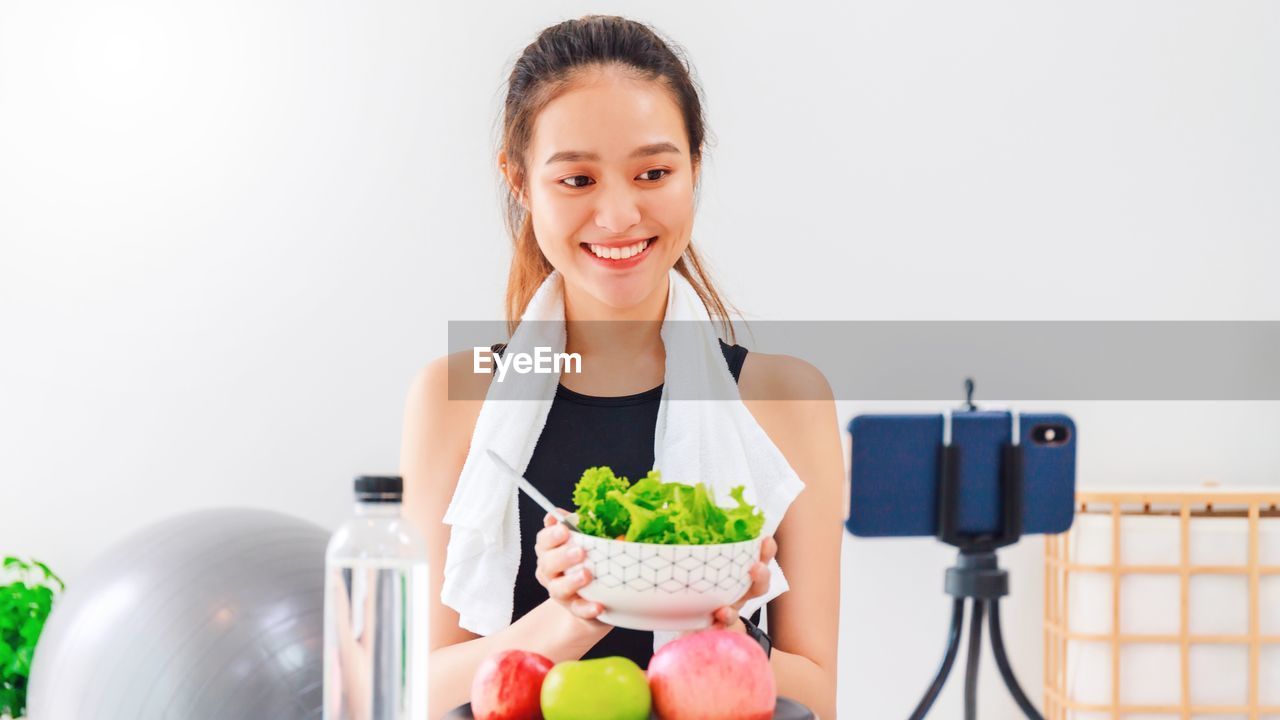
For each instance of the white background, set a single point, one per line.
(230, 233)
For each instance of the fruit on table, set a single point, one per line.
(712, 675)
(611, 688)
(508, 686)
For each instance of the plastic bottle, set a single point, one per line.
(376, 641)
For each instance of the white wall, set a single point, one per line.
(230, 232)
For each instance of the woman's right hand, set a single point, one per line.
(556, 555)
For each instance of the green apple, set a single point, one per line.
(612, 688)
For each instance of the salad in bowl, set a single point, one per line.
(662, 555)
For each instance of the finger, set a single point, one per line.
(717, 618)
(550, 537)
(768, 549)
(556, 561)
(569, 517)
(585, 608)
(565, 587)
(725, 616)
(760, 577)
(550, 521)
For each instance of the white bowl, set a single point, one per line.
(645, 586)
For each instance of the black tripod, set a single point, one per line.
(977, 575)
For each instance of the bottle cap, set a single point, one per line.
(379, 488)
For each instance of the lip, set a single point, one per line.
(623, 243)
(620, 264)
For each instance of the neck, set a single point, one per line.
(596, 329)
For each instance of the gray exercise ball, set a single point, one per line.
(213, 615)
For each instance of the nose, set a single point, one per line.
(617, 209)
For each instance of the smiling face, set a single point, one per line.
(610, 174)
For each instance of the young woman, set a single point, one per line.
(601, 151)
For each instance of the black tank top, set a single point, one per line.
(584, 431)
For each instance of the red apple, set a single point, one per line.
(508, 686)
(712, 675)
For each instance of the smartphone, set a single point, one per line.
(895, 470)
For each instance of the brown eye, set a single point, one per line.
(657, 170)
(573, 185)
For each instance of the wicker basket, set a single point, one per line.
(1160, 644)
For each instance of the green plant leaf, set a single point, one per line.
(20, 663)
(49, 574)
(42, 596)
(31, 630)
(25, 605)
(653, 511)
(598, 513)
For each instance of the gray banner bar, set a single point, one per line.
(1009, 360)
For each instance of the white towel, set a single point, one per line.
(716, 442)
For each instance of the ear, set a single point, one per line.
(508, 171)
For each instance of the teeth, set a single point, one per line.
(619, 253)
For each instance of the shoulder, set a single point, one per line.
(793, 402)
(447, 394)
(782, 377)
(451, 376)
(436, 433)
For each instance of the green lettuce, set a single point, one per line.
(667, 513)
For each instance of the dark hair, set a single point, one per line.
(544, 70)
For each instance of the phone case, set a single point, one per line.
(894, 474)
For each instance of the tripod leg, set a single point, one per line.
(949, 659)
(1002, 662)
(971, 664)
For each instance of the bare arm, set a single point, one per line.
(436, 437)
(804, 621)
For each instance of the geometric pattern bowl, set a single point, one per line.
(646, 586)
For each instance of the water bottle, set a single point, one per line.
(375, 611)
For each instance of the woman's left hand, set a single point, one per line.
(726, 618)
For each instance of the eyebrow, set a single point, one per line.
(642, 151)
